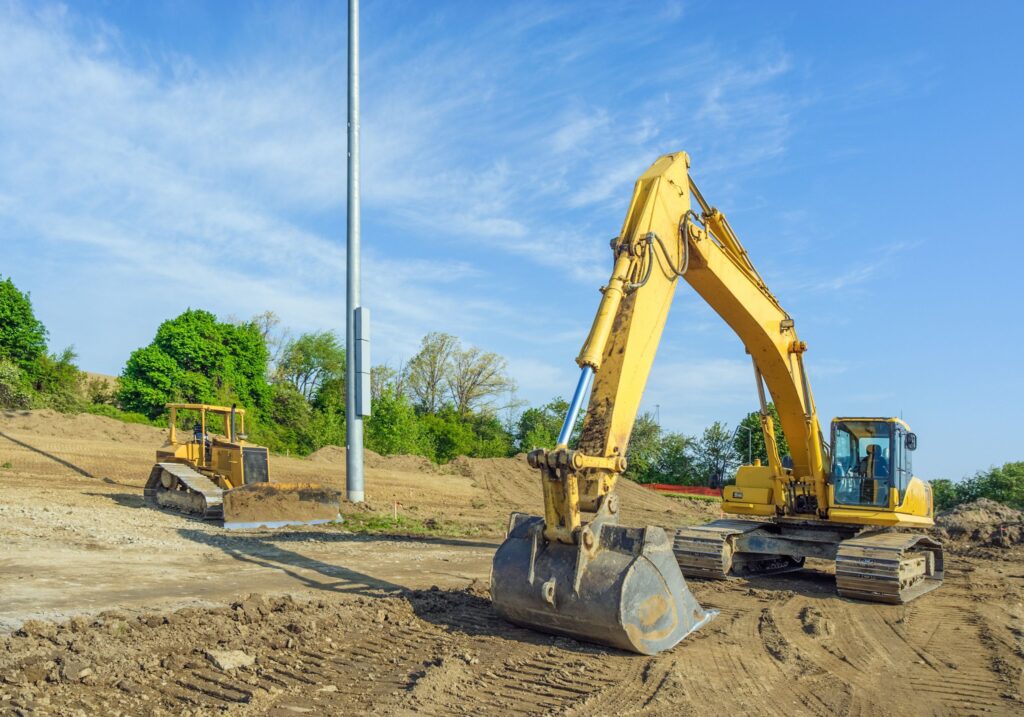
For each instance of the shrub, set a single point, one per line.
(57, 381)
(14, 388)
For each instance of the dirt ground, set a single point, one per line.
(109, 607)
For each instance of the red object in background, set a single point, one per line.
(691, 489)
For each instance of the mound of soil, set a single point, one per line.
(982, 522)
(501, 485)
(336, 455)
(49, 423)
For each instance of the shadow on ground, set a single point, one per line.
(62, 461)
(810, 581)
(67, 464)
(128, 500)
(466, 611)
(264, 553)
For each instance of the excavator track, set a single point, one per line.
(709, 551)
(891, 568)
(178, 487)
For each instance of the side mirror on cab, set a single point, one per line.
(911, 442)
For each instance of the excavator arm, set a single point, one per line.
(594, 579)
(662, 240)
(619, 350)
(721, 272)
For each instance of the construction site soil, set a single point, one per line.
(108, 607)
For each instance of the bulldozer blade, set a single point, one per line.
(625, 592)
(274, 505)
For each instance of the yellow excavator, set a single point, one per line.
(227, 478)
(590, 578)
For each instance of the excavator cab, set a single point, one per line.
(870, 457)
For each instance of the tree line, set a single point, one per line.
(447, 400)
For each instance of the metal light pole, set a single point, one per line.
(750, 443)
(357, 334)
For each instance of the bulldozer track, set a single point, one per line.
(961, 680)
(197, 496)
(534, 685)
(363, 672)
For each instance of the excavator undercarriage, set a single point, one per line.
(873, 565)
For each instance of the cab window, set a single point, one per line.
(862, 462)
(904, 467)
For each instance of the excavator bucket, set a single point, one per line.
(626, 591)
(273, 505)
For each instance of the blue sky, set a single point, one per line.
(161, 155)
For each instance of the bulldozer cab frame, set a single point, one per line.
(234, 428)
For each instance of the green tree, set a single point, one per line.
(644, 449)
(57, 380)
(475, 379)
(491, 438)
(22, 335)
(274, 338)
(1004, 484)
(14, 388)
(384, 379)
(675, 463)
(394, 427)
(290, 421)
(447, 435)
(944, 494)
(714, 455)
(429, 370)
(195, 358)
(311, 360)
(539, 427)
(752, 423)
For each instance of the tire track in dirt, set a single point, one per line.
(960, 679)
(368, 673)
(528, 675)
(360, 674)
(737, 669)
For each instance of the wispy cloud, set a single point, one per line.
(499, 152)
(870, 262)
(194, 184)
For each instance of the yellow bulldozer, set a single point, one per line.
(847, 499)
(226, 478)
